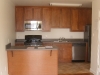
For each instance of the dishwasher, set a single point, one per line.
(78, 52)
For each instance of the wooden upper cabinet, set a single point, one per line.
(82, 19)
(56, 12)
(19, 19)
(65, 18)
(85, 16)
(54, 17)
(46, 25)
(61, 17)
(89, 16)
(79, 18)
(28, 13)
(32, 13)
(74, 19)
(37, 14)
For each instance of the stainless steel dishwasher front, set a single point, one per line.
(78, 51)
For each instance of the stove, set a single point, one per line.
(33, 40)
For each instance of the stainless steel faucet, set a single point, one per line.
(61, 39)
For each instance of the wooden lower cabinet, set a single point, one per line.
(47, 44)
(64, 52)
(67, 53)
(33, 62)
(19, 44)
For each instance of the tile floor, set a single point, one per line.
(73, 68)
(78, 74)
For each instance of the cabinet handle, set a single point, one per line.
(51, 53)
(12, 53)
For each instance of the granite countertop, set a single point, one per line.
(55, 41)
(9, 47)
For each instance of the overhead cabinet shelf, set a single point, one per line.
(53, 17)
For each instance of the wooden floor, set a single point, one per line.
(78, 74)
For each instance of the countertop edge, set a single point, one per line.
(10, 48)
(29, 49)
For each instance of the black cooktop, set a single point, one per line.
(33, 40)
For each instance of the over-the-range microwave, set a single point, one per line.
(33, 25)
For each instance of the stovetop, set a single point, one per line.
(33, 40)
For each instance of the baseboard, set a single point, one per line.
(92, 71)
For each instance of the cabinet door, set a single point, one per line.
(47, 44)
(74, 19)
(64, 52)
(34, 62)
(89, 16)
(28, 13)
(82, 19)
(37, 14)
(60, 52)
(65, 18)
(46, 19)
(10, 62)
(19, 19)
(19, 44)
(56, 12)
(67, 52)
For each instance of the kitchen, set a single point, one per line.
(8, 37)
(52, 17)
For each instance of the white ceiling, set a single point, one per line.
(85, 3)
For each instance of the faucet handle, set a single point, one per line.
(60, 38)
(63, 38)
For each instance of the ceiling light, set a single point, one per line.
(64, 4)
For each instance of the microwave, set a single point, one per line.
(33, 25)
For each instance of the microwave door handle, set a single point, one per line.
(37, 26)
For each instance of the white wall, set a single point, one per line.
(7, 31)
(55, 33)
(94, 52)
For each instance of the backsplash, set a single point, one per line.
(55, 33)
